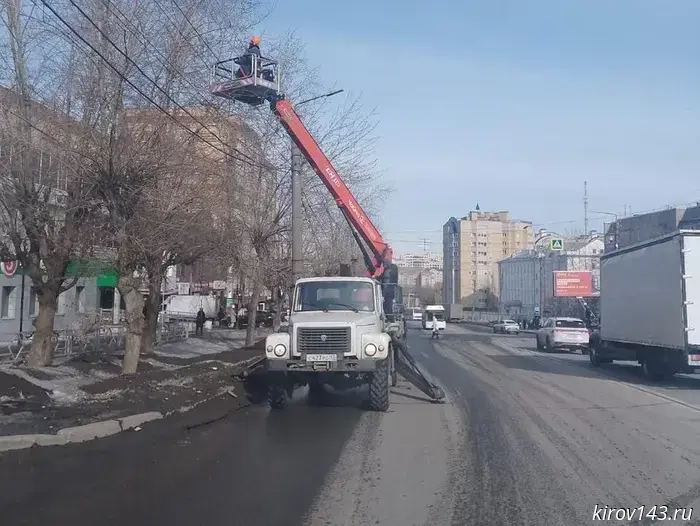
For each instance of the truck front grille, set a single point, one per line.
(323, 340)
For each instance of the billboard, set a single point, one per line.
(572, 283)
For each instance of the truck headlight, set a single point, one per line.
(370, 349)
(280, 350)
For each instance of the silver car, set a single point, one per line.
(507, 327)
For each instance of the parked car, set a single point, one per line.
(507, 327)
(563, 333)
(262, 319)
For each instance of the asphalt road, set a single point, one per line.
(525, 438)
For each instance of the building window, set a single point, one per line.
(33, 302)
(9, 303)
(61, 304)
(80, 299)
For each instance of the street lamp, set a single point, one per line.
(538, 270)
(297, 255)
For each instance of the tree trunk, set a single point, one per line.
(133, 299)
(252, 311)
(152, 310)
(41, 353)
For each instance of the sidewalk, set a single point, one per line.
(88, 388)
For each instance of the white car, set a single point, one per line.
(563, 333)
(507, 327)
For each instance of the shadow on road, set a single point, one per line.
(626, 372)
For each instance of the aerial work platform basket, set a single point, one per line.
(244, 80)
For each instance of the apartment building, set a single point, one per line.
(472, 248)
(424, 260)
(242, 184)
(429, 278)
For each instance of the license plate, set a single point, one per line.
(321, 357)
(694, 359)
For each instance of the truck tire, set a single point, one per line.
(653, 370)
(394, 374)
(277, 396)
(379, 387)
(594, 357)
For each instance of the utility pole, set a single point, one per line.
(585, 208)
(297, 253)
(297, 261)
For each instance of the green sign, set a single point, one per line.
(556, 243)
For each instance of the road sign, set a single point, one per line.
(556, 243)
(9, 267)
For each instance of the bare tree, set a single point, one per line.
(43, 193)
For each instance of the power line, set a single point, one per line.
(137, 89)
(138, 68)
(189, 22)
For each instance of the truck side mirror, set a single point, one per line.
(393, 328)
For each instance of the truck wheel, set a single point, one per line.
(277, 396)
(652, 370)
(379, 387)
(593, 356)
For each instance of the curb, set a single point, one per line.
(84, 433)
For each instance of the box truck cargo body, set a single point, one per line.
(650, 305)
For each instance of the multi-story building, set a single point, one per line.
(643, 227)
(241, 186)
(429, 278)
(48, 167)
(424, 260)
(472, 248)
(527, 277)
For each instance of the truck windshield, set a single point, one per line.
(334, 295)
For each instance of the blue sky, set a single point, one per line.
(514, 103)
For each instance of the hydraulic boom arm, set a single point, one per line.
(381, 252)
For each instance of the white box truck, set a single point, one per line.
(650, 305)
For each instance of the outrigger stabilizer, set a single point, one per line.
(264, 85)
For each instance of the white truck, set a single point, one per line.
(455, 312)
(650, 306)
(337, 336)
(181, 306)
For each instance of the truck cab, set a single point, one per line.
(337, 336)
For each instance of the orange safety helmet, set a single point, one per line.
(255, 41)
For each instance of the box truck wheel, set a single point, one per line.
(652, 369)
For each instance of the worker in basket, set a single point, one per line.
(436, 331)
(251, 54)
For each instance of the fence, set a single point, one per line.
(95, 332)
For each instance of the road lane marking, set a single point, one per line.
(600, 372)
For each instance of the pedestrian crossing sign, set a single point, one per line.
(556, 244)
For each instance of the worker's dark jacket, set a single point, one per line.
(247, 62)
(201, 317)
